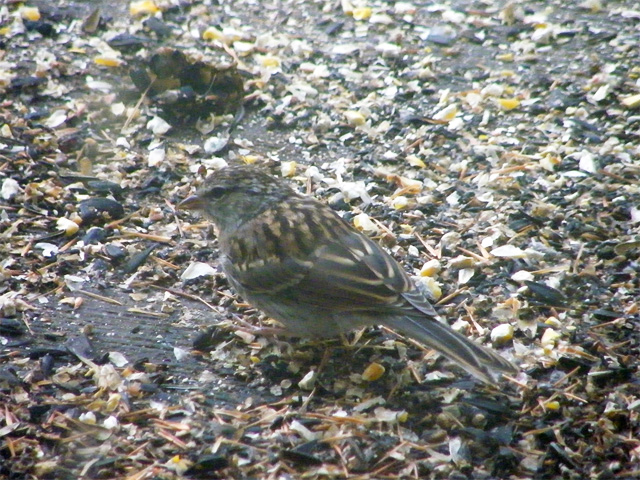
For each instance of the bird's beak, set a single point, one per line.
(194, 202)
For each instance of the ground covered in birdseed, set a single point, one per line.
(492, 147)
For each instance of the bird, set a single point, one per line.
(299, 262)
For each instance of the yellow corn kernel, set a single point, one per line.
(270, 62)
(288, 169)
(361, 13)
(143, 7)
(505, 57)
(400, 202)
(550, 337)
(415, 161)
(212, 33)
(107, 61)
(373, 372)
(508, 103)
(30, 13)
(355, 119)
(69, 227)
(430, 268)
(552, 405)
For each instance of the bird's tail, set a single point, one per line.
(480, 361)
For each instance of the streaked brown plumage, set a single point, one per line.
(298, 261)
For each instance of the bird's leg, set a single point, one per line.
(325, 359)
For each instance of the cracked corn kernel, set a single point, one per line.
(548, 162)
(402, 417)
(363, 222)
(270, 61)
(410, 185)
(553, 322)
(463, 261)
(415, 161)
(552, 405)
(502, 333)
(212, 33)
(430, 268)
(373, 372)
(347, 6)
(447, 113)
(362, 13)
(406, 229)
(308, 381)
(30, 13)
(431, 287)
(505, 57)
(69, 227)
(400, 202)
(631, 102)
(143, 7)
(107, 61)
(355, 119)
(113, 402)
(549, 337)
(508, 103)
(288, 169)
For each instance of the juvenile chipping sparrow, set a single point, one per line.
(299, 262)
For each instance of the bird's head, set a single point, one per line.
(234, 195)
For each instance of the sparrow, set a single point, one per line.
(298, 261)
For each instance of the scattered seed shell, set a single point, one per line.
(308, 381)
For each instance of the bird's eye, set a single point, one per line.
(216, 192)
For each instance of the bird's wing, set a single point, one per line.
(328, 265)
